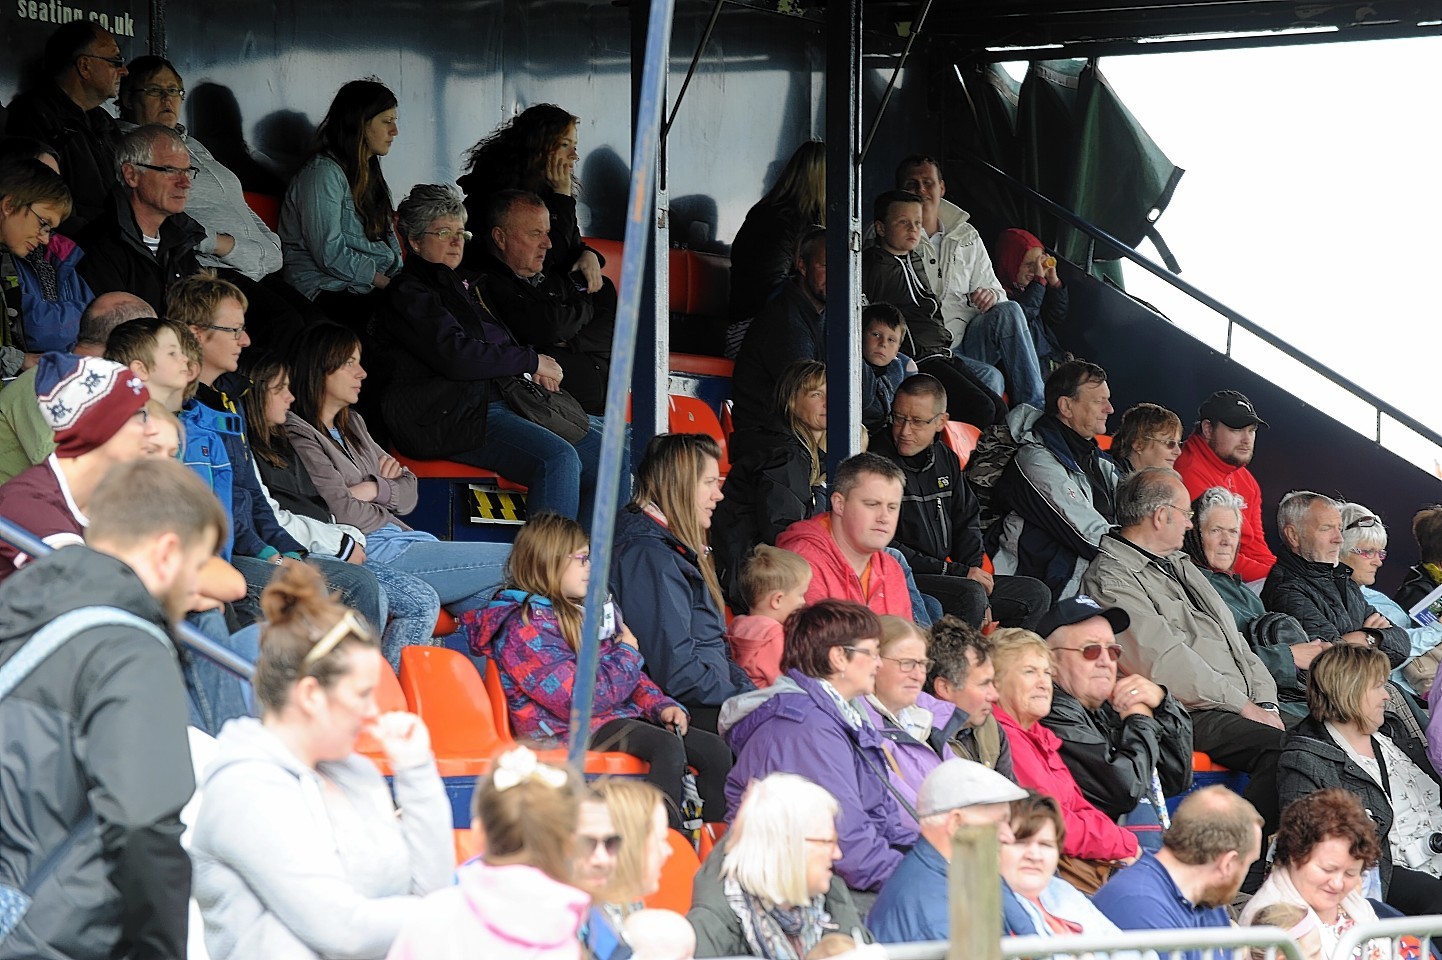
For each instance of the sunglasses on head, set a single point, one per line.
(1363, 522)
(1094, 651)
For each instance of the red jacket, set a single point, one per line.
(1202, 469)
(1036, 761)
(831, 573)
(756, 645)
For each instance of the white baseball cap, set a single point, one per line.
(962, 783)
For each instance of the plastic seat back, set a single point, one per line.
(446, 692)
(961, 438)
(677, 876)
(389, 698)
(693, 415)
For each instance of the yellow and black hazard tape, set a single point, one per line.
(497, 506)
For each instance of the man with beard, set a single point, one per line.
(103, 716)
(1214, 838)
(1216, 455)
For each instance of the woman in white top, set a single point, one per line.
(299, 850)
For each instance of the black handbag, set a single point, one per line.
(557, 411)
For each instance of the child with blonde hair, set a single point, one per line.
(775, 582)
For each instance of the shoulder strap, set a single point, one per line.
(54, 634)
(883, 776)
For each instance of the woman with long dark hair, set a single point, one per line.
(335, 225)
(535, 151)
(363, 485)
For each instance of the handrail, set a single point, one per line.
(27, 543)
(1233, 317)
(1424, 927)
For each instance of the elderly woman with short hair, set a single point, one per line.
(1094, 843)
(1348, 740)
(1277, 638)
(450, 356)
(768, 889)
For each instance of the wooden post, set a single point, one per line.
(974, 885)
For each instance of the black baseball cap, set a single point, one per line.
(1231, 408)
(1081, 607)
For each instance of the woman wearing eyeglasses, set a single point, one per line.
(1364, 548)
(43, 314)
(237, 245)
(807, 723)
(449, 355)
(337, 235)
(1150, 435)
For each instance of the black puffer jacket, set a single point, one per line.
(116, 257)
(1327, 603)
(1311, 760)
(446, 351)
(99, 725)
(940, 516)
(1112, 757)
(901, 282)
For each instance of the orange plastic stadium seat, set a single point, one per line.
(693, 415)
(453, 470)
(446, 692)
(1104, 440)
(389, 698)
(961, 438)
(728, 426)
(1201, 763)
(676, 876)
(445, 624)
(466, 846)
(599, 763)
(610, 251)
(711, 834)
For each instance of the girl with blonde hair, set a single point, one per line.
(532, 631)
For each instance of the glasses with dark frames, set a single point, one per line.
(1094, 651)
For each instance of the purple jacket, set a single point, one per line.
(913, 759)
(793, 726)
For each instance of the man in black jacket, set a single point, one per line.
(789, 327)
(98, 728)
(939, 530)
(1311, 584)
(1125, 740)
(549, 311)
(66, 112)
(144, 242)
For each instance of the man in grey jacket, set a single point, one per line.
(96, 763)
(1181, 634)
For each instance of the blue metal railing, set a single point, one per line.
(1233, 318)
(639, 209)
(27, 543)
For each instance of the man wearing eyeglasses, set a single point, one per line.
(144, 242)
(84, 65)
(1125, 739)
(549, 311)
(1181, 635)
(939, 530)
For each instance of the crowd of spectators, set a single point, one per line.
(1032, 644)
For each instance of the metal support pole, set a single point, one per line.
(650, 413)
(27, 543)
(644, 163)
(843, 229)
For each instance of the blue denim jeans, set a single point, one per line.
(1001, 337)
(464, 574)
(920, 610)
(990, 376)
(560, 476)
(358, 586)
(414, 606)
(215, 694)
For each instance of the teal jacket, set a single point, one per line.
(322, 239)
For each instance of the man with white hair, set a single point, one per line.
(144, 242)
(913, 903)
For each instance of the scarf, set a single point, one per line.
(776, 933)
(45, 273)
(1278, 888)
(849, 713)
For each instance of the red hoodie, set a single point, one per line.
(831, 573)
(1202, 469)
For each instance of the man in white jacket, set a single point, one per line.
(988, 326)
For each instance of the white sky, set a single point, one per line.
(1310, 194)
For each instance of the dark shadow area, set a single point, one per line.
(693, 223)
(286, 137)
(605, 182)
(214, 119)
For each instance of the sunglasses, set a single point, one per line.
(1363, 522)
(586, 846)
(1094, 651)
